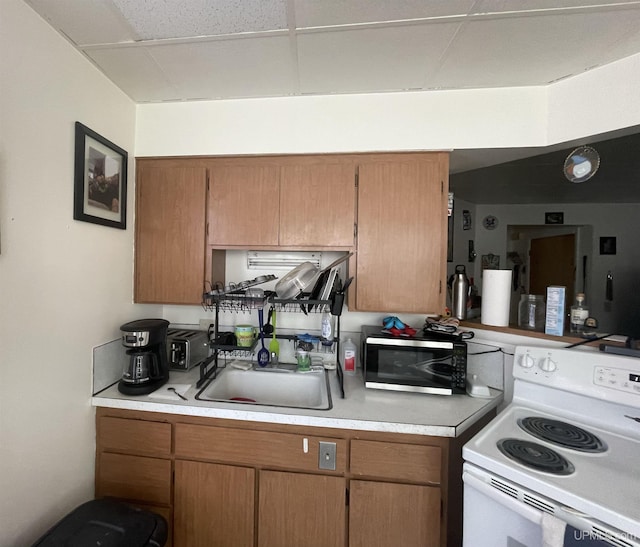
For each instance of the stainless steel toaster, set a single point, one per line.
(186, 348)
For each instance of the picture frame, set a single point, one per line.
(100, 180)
(466, 219)
(490, 262)
(554, 218)
(607, 245)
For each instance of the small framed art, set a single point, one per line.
(100, 187)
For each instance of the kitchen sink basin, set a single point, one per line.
(282, 387)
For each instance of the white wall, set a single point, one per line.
(437, 120)
(65, 285)
(601, 100)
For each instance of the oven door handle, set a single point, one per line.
(524, 510)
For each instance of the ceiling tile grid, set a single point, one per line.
(160, 19)
(372, 60)
(250, 67)
(169, 50)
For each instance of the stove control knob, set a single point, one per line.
(527, 361)
(548, 364)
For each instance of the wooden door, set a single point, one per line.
(213, 505)
(317, 204)
(385, 514)
(244, 202)
(170, 234)
(301, 510)
(552, 262)
(402, 235)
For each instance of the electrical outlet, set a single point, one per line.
(327, 456)
(204, 323)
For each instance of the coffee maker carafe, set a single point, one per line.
(147, 368)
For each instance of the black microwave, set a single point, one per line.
(425, 363)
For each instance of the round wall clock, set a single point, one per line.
(490, 222)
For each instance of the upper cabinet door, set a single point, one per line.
(317, 204)
(170, 234)
(244, 201)
(402, 234)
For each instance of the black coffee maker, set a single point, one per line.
(148, 367)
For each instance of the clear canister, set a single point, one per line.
(531, 312)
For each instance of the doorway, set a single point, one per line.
(549, 255)
(552, 262)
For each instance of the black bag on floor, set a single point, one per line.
(106, 523)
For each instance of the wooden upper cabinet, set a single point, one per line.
(282, 202)
(244, 201)
(402, 234)
(317, 204)
(170, 233)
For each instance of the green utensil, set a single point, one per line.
(274, 345)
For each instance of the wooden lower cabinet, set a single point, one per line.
(213, 505)
(301, 510)
(229, 483)
(387, 514)
(135, 478)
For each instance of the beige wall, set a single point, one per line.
(65, 285)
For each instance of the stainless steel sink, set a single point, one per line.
(281, 387)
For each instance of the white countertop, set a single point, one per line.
(361, 409)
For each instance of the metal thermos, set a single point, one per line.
(459, 293)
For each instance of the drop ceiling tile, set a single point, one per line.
(501, 6)
(365, 60)
(85, 21)
(134, 71)
(155, 19)
(479, 57)
(246, 67)
(312, 13)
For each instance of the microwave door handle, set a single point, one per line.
(430, 362)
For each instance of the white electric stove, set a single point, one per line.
(566, 450)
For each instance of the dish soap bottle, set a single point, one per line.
(349, 351)
(326, 336)
(579, 312)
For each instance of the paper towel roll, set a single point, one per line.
(496, 297)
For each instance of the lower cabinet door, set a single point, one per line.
(389, 515)
(301, 510)
(213, 505)
(134, 478)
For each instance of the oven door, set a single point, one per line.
(494, 519)
(498, 513)
(421, 366)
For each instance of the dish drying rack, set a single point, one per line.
(234, 299)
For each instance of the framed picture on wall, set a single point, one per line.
(466, 219)
(100, 180)
(490, 262)
(554, 218)
(607, 245)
